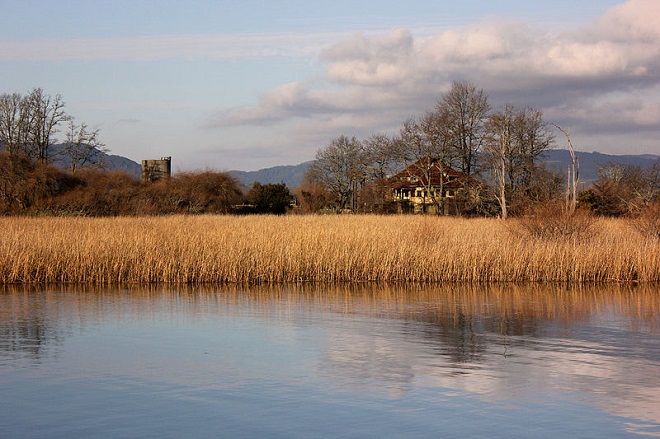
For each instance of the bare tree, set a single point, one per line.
(44, 114)
(532, 139)
(424, 150)
(83, 147)
(573, 177)
(340, 167)
(516, 137)
(623, 190)
(380, 154)
(381, 163)
(14, 127)
(465, 109)
(498, 149)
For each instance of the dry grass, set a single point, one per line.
(648, 223)
(269, 249)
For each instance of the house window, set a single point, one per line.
(450, 193)
(418, 193)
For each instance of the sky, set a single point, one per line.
(245, 85)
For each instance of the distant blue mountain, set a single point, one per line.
(124, 164)
(291, 175)
(560, 159)
(110, 162)
(556, 159)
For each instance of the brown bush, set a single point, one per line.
(193, 192)
(648, 223)
(103, 193)
(25, 185)
(553, 221)
(312, 197)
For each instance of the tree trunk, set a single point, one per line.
(503, 187)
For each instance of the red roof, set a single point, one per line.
(417, 174)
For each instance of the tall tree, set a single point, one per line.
(531, 138)
(83, 147)
(13, 122)
(340, 167)
(45, 114)
(573, 177)
(425, 150)
(498, 150)
(465, 109)
(515, 139)
(381, 161)
(380, 156)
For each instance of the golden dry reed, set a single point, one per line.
(271, 249)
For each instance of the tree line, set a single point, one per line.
(79, 185)
(29, 123)
(496, 151)
(28, 187)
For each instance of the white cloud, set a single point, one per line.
(371, 61)
(635, 20)
(604, 75)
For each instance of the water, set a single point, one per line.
(323, 361)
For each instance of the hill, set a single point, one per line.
(110, 162)
(291, 175)
(556, 159)
(560, 159)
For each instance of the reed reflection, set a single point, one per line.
(508, 342)
(33, 317)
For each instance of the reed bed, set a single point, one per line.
(271, 249)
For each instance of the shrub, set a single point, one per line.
(103, 193)
(26, 186)
(648, 223)
(269, 198)
(552, 221)
(199, 192)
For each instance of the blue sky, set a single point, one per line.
(251, 84)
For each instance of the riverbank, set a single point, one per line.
(270, 249)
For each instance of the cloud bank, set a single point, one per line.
(600, 79)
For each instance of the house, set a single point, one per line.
(428, 186)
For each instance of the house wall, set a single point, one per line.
(425, 204)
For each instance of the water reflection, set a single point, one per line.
(508, 345)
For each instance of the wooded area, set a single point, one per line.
(495, 153)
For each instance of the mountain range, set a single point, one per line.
(556, 159)
(590, 162)
(292, 175)
(113, 162)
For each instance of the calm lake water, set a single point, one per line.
(325, 361)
